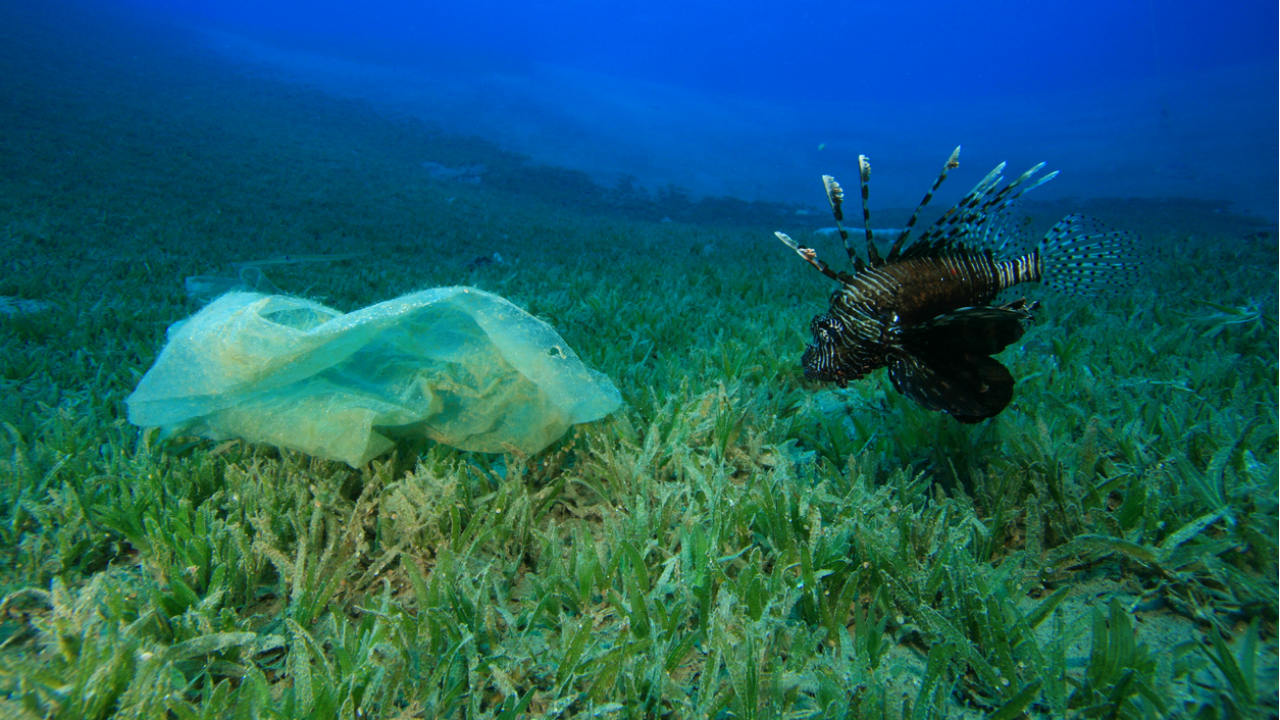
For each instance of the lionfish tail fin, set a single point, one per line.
(1081, 255)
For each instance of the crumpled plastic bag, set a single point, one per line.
(458, 365)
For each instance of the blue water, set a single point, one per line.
(753, 99)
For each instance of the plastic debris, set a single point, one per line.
(458, 365)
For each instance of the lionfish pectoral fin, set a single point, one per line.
(968, 331)
(970, 388)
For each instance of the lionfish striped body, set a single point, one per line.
(925, 310)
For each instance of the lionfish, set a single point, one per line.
(925, 310)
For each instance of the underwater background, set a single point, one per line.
(735, 540)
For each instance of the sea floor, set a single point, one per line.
(735, 541)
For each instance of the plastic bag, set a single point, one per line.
(458, 365)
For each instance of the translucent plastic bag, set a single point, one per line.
(458, 365)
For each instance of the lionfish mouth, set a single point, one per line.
(818, 365)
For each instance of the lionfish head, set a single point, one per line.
(831, 357)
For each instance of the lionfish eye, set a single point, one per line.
(825, 327)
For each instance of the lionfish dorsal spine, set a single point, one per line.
(864, 184)
(810, 256)
(1007, 195)
(962, 216)
(835, 196)
(952, 163)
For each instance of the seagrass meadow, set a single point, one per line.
(736, 542)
